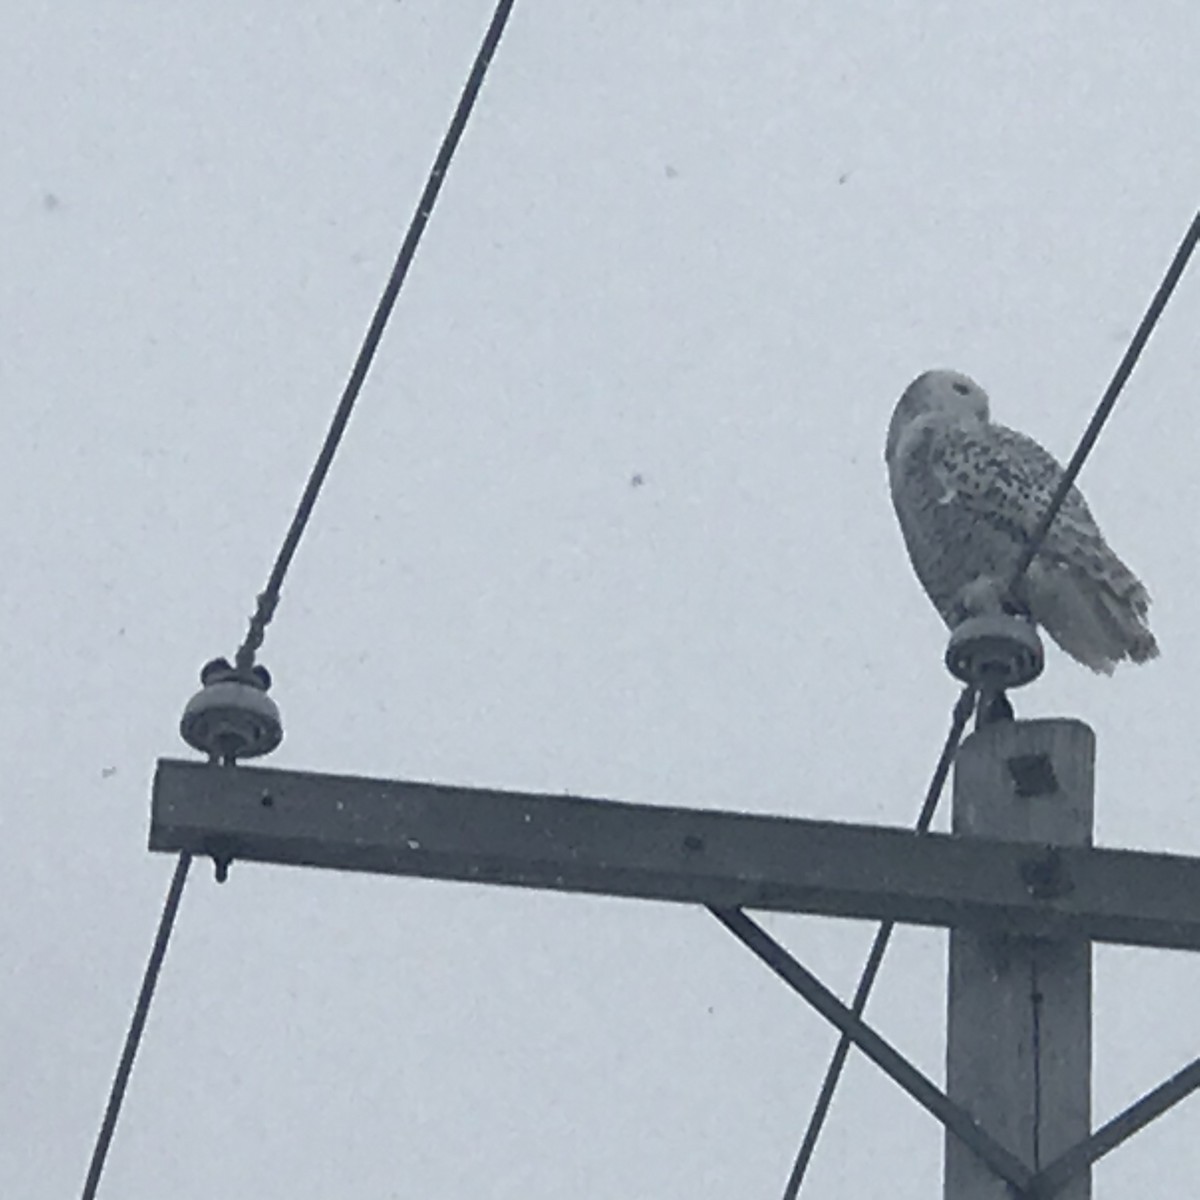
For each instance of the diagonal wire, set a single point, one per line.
(137, 1024)
(1107, 401)
(965, 703)
(269, 597)
(833, 1073)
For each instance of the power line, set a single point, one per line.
(833, 1073)
(268, 599)
(962, 710)
(133, 1039)
(1107, 401)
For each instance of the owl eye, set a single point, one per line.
(960, 388)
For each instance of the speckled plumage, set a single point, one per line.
(968, 495)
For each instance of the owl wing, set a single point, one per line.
(1006, 479)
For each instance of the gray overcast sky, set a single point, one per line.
(706, 243)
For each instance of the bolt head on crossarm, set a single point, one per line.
(232, 716)
(995, 651)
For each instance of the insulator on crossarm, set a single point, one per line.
(231, 716)
(995, 651)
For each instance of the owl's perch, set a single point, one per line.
(1019, 1029)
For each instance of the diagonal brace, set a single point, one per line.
(1049, 1181)
(885, 1056)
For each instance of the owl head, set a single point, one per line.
(948, 394)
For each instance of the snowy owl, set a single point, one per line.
(968, 495)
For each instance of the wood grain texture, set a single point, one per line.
(1019, 1029)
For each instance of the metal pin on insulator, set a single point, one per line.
(231, 716)
(995, 651)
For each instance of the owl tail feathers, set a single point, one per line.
(1091, 622)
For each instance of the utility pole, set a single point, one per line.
(1018, 884)
(1019, 1022)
